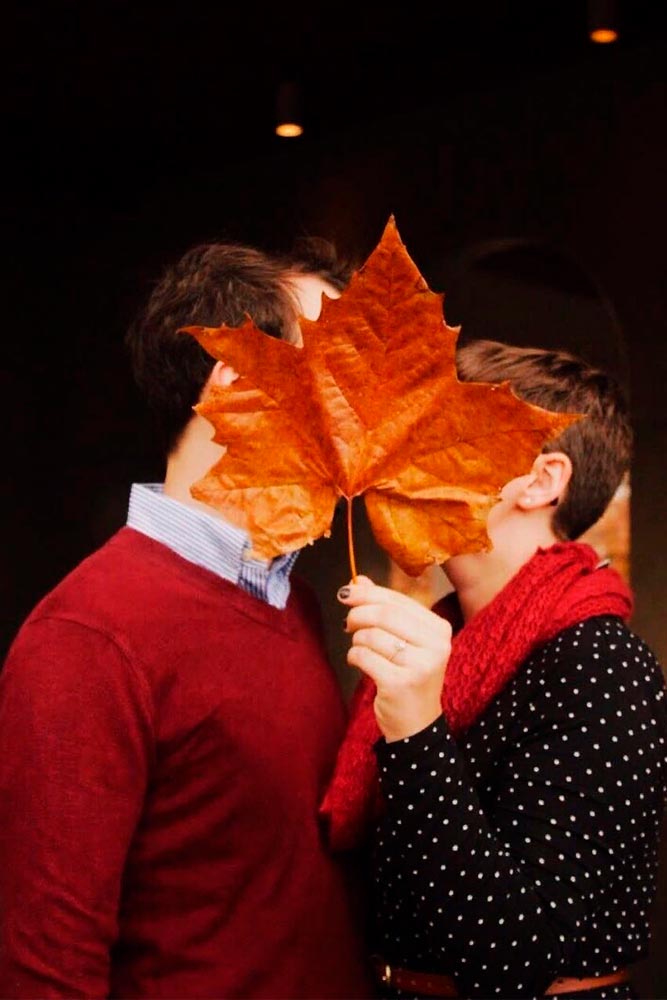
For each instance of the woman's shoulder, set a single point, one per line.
(600, 662)
(603, 637)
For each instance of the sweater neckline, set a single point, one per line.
(280, 619)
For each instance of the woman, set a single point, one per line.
(515, 773)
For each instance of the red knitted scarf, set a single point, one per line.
(559, 587)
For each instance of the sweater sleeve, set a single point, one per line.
(75, 739)
(504, 879)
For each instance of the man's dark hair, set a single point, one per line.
(599, 446)
(314, 255)
(215, 284)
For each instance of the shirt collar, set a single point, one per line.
(210, 542)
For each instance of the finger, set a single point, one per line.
(363, 582)
(383, 643)
(373, 665)
(385, 619)
(364, 591)
(401, 623)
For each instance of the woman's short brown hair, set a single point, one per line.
(599, 446)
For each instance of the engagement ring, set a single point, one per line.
(399, 646)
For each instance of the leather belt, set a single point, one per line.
(574, 985)
(437, 985)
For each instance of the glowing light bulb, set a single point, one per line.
(603, 35)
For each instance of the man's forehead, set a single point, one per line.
(309, 289)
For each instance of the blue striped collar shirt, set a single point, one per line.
(209, 542)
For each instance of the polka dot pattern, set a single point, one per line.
(527, 850)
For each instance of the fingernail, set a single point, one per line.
(343, 593)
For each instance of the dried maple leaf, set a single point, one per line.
(371, 404)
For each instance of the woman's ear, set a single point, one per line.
(548, 481)
(221, 376)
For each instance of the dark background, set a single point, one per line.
(526, 169)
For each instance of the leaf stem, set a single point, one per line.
(350, 540)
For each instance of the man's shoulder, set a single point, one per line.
(303, 589)
(306, 598)
(117, 564)
(117, 586)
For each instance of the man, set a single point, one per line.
(168, 720)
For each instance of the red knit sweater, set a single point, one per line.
(165, 740)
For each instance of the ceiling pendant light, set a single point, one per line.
(289, 118)
(602, 21)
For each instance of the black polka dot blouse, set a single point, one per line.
(527, 850)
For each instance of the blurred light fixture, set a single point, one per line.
(602, 21)
(289, 119)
